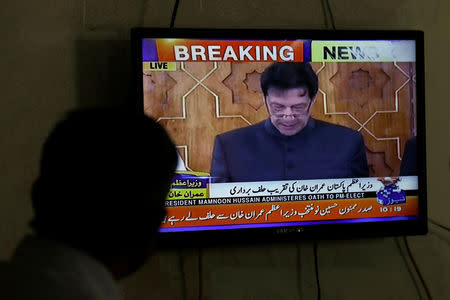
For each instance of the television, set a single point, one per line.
(287, 134)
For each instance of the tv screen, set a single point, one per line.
(285, 134)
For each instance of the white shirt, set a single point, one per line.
(45, 269)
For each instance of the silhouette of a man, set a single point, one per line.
(98, 203)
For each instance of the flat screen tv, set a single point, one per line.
(287, 134)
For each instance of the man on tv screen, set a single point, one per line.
(290, 144)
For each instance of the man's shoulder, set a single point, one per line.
(243, 132)
(6, 269)
(48, 269)
(335, 129)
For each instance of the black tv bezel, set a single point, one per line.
(297, 233)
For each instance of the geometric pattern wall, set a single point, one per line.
(201, 100)
(377, 99)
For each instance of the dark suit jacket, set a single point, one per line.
(260, 153)
(408, 166)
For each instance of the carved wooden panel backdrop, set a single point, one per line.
(201, 100)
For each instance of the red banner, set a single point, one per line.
(274, 212)
(170, 50)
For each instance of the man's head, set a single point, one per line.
(103, 180)
(289, 91)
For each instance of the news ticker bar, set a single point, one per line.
(276, 212)
(197, 186)
(286, 224)
(283, 198)
(161, 54)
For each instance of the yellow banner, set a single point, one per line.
(363, 51)
(179, 194)
(159, 66)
